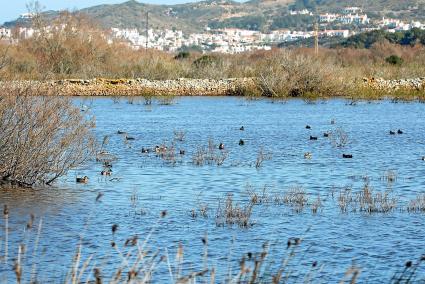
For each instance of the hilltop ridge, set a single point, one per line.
(253, 14)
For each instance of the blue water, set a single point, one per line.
(143, 185)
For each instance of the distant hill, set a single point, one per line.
(254, 14)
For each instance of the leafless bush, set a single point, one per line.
(256, 197)
(261, 157)
(286, 74)
(209, 155)
(295, 197)
(41, 138)
(339, 138)
(230, 213)
(367, 200)
(316, 205)
(417, 204)
(179, 135)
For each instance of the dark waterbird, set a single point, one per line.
(325, 134)
(182, 152)
(121, 132)
(221, 146)
(313, 138)
(399, 131)
(308, 126)
(84, 179)
(242, 128)
(129, 137)
(241, 142)
(347, 156)
(106, 173)
(392, 132)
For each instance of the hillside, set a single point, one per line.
(253, 14)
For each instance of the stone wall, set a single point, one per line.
(392, 85)
(128, 87)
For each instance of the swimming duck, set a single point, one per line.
(313, 138)
(241, 142)
(106, 173)
(308, 126)
(242, 128)
(347, 156)
(399, 131)
(326, 134)
(221, 146)
(392, 132)
(84, 179)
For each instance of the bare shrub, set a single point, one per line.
(339, 138)
(286, 74)
(41, 138)
(367, 200)
(179, 135)
(230, 213)
(209, 155)
(296, 197)
(261, 157)
(417, 204)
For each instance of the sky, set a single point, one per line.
(11, 9)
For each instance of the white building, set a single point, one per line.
(352, 10)
(301, 12)
(328, 18)
(335, 33)
(5, 33)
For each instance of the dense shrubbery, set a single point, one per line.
(367, 40)
(394, 60)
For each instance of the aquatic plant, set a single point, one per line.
(230, 213)
(209, 155)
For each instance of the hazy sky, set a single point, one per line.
(11, 9)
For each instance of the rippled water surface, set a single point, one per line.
(143, 185)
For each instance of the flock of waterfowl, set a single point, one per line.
(107, 171)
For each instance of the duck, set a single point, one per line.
(129, 138)
(106, 173)
(326, 134)
(308, 155)
(313, 138)
(182, 152)
(242, 128)
(241, 142)
(399, 131)
(121, 132)
(84, 179)
(347, 156)
(221, 146)
(307, 127)
(392, 132)
(145, 150)
(423, 158)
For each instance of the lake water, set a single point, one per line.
(144, 185)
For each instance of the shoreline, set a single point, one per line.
(374, 88)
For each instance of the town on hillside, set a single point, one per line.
(234, 40)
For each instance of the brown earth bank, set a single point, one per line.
(181, 87)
